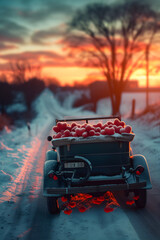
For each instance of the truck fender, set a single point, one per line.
(51, 155)
(145, 175)
(47, 181)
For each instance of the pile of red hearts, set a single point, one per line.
(62, 129)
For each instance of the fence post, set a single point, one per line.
(133, 108)
(29, 128)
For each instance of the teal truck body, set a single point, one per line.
(94, 165)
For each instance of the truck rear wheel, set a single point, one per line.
(142, 198)
(52, 204)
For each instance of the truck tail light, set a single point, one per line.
(52, 175)
(139, 170)
(55, 177)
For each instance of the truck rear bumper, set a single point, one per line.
(92, 189)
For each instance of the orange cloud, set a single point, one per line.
(70, 64)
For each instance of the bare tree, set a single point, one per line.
(115, 34)
(153, 29)
(23, 71)
(6, 95)
(27, 80)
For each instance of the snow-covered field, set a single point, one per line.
(23, 213)
(104, 106)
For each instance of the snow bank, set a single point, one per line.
(104, 105)
(17, 146)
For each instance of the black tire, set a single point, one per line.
(53, 206)
(142, 200)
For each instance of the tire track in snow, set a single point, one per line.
(21, 213)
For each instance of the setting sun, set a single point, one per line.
(70, 75)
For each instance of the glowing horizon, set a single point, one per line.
(81, 75)
(86, 75)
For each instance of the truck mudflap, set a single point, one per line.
(93, 189)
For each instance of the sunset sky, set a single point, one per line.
(33, 31)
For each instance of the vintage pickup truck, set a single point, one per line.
(94, 164)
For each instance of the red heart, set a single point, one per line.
(91, 133)
(99, 125)
(67, 133)
(108, 209)
(97, 129)
(63, 199)
(58, 135)
(82, 209)
(117, 122)
(73, 125)
(103, 132)
(68, 211)
(89, 127)
(128, 129)
(85, 134)
(59, 125)
(97, 134)
(117, 128)
(56, 129)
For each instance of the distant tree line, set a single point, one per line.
(30, 89)
(24, 82)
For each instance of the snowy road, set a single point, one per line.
(31, 219)
(126, 222)
(123, 223)
(24, 213)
